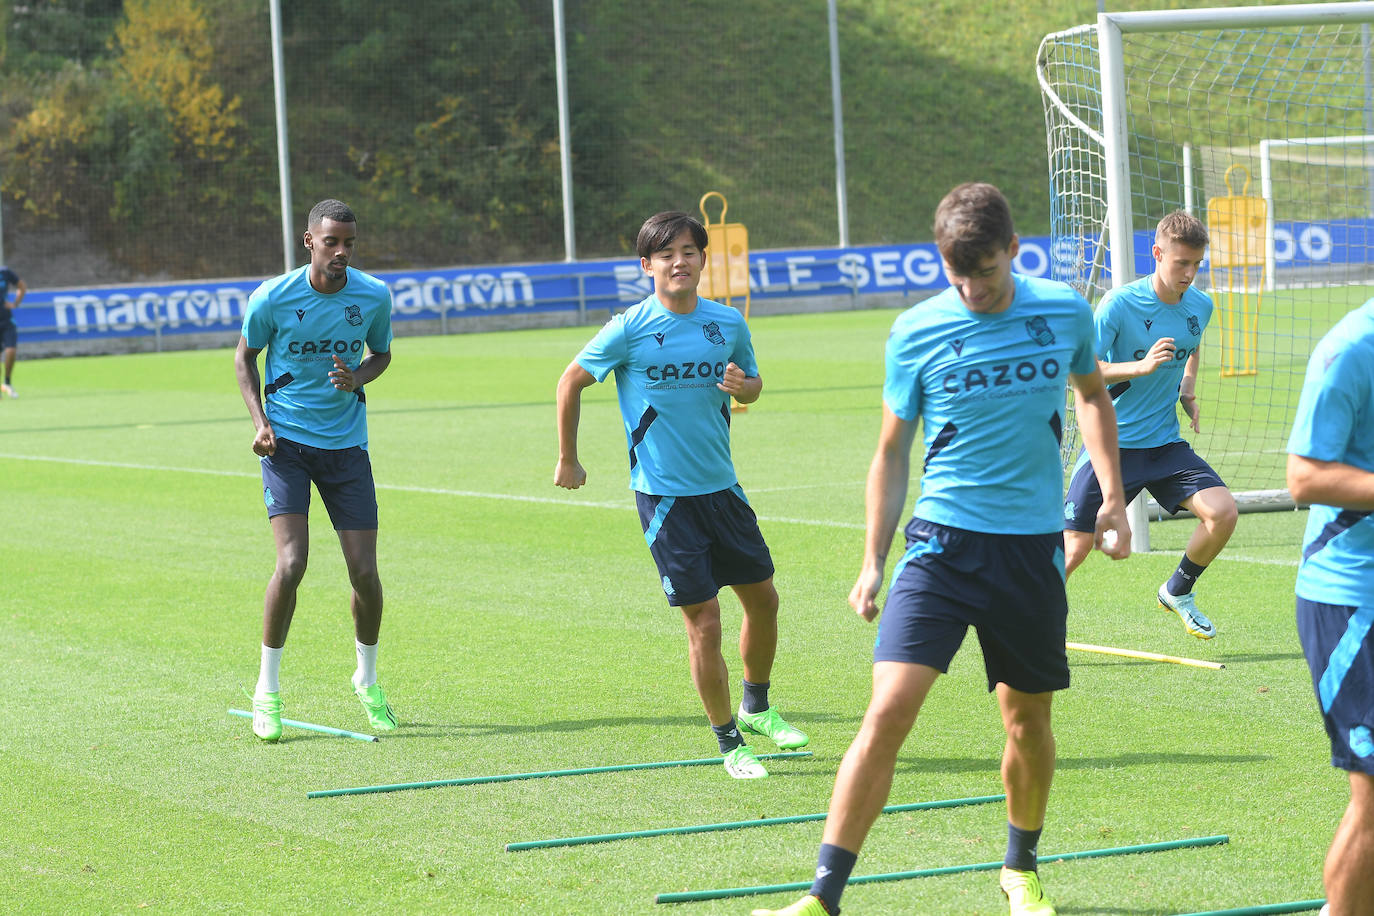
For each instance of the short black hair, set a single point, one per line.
(972, 222)
(333, 209)
(660, 229)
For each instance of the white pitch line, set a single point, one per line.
(438, 491)
(513, 497)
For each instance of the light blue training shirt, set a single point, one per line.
(991, 392)
(1128, 322)
(666, 365)
(1335, 422)
(302, 330)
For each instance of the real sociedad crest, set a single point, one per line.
(1193, 327)
(1039, 330)
(712, 332)
(353, 315)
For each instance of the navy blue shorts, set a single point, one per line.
(1172, 473)
(9, 335)
(701, 543)
(1008, 587)
(1335, 639)
(342, 475)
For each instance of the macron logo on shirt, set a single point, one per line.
(300, 314)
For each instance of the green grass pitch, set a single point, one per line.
(525, 630)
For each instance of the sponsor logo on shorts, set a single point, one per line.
(268, 498)
(1361, 741)
(1070, 510)
(668, 587)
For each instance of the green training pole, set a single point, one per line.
(311, 727)
(511, 777)
(738, 825)
(687, 896)
(1297, 906)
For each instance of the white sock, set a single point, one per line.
(268, 670)
(366, 675)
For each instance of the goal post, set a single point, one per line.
(1151, 111)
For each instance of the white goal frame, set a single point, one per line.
(1114, 137)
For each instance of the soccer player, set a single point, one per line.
(1331, 466)
(1148, 334)
(9, 334)
(327, 331)
(982, 368)
(678, 359)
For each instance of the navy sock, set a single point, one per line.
(833, 866)
(755, 697)
(1021, 848)
(728, 736)
(1183, 579)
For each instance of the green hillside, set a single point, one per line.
(145, 124)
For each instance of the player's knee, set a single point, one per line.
(703, 624)
(291, 567)
(762, 602)
(365, 580)
(1077, 546)
(889, 718)
(1028, 724)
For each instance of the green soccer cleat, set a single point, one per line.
(1194, 621)
(807, 906)
(1024, 893)
(267, 716)
(378, 710)
(771, 725)
(742, 764)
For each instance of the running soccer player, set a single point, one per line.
(1148, 335)
(9, 333)
(327, 331)
(1331, 466)
(982, 368)
(678, 359)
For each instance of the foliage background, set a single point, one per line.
(137, 137)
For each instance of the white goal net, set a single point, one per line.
(1260, 120)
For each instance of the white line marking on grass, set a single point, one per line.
(807, 486)
(513, 497)
(438, 491)
(125, 465)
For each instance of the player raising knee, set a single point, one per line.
(1148, 335)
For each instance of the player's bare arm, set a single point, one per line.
(884, 498)
(1097, 423)
(1330, 483)
(19, 290)
(741, 387)
(568, 473)
(346, 379)
(1187, 397)
(250, 387)
(1161, 353)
